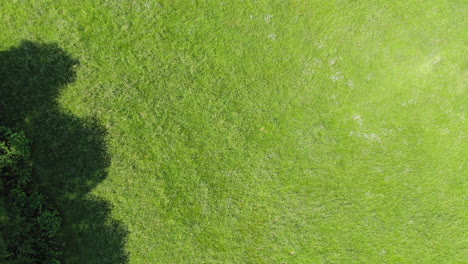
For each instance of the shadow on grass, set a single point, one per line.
(69, 153)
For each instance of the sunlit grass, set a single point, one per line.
(271, 131)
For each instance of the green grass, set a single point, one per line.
(249, 131)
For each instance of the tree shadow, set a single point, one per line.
(68, 153)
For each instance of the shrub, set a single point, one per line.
(29, 227)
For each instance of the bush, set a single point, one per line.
(29, 227)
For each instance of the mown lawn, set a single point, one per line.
(253, 131)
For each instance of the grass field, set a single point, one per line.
(245, 131)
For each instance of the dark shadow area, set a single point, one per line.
(68, 153)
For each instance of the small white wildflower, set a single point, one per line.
(430, 63)
(272, 36)
(333, 61)
(445, 131)
(317, 62)
(268, 18)
(372, 136)
(358, 119)
(308, 72)
(336, 77)
(251, 16)
(320, 208)
(319, 44)
(409, 102)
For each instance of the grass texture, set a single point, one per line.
(245, 131)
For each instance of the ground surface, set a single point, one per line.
(254, 131)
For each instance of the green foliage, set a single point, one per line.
(69, 153)
(29, 227)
